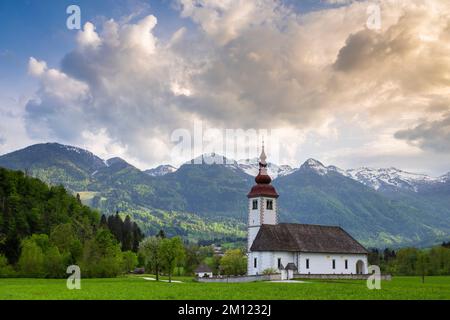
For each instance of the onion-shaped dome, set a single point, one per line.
(263, 188)
(263, 179)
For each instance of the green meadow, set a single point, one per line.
(137, 288)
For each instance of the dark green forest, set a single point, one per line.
(44, 229)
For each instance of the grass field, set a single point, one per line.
(133, 287)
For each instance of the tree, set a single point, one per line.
(127, 234)
(5, 269)
(130, 261)
(137, 237)
(102, 256)
(423, 264)
(54, 263)
(161, 234)
(31, 261)
(171, 252)
(214, 263)
(406, 260)
(234, 262)
(149, 248)
(103, 222)
(64, 238)
(115, 225)
(439, 261)
(78, 198)
(192, 258)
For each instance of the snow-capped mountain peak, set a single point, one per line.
(319, 168)
(445, 177)
(251, 167)
(390, 178)
(161, 170)
(316, 166)
(211, 158)
(248, 166)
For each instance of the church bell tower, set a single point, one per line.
(262, 202)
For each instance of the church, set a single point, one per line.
(295, 249)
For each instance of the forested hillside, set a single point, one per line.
(44, 229)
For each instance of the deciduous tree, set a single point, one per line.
(171, 252)
(234, 262)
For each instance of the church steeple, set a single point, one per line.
(263, 180)
(262, 201)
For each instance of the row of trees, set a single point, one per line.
(125, 231)
(413, 261)
(160, 254)
(46, 256)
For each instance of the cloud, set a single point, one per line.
(429, 135)
(35, 67)
(13, 133)
(88, 37)
(247, 64)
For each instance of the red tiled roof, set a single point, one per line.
(264, 190)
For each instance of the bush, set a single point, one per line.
(102, 257)
(270, 271)
(5, 269)
(31, 261)
(129, 260)
(54, 263)
(234, 263)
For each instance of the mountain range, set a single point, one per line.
(200, 200)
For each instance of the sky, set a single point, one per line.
(350, 83)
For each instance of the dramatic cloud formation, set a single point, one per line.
(321, 75)
(432, 135)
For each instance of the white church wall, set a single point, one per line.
(323, 263)
(286, 257)
(263, 262)
(268, 260)
(318, 263)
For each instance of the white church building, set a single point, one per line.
(292, 248)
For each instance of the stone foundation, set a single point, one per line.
(277, 277)
(241, 278)
(386, 277)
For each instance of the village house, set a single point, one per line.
(203, 271)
